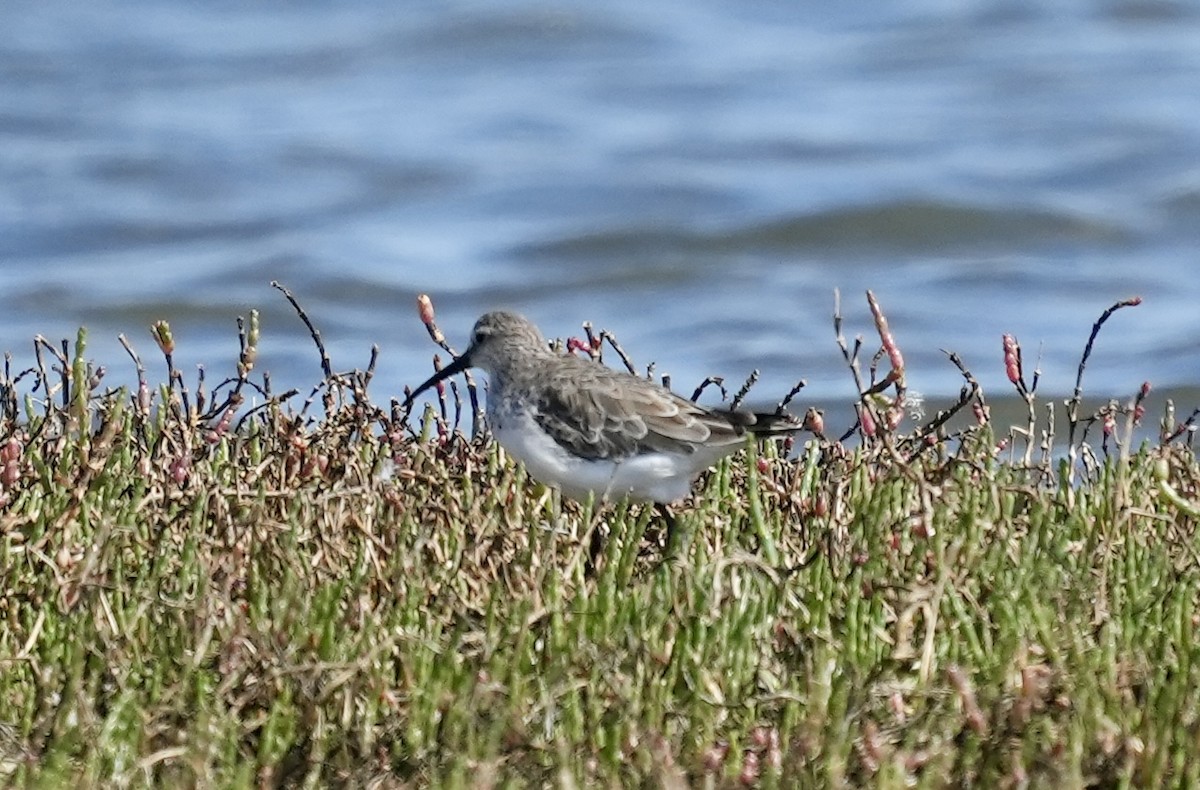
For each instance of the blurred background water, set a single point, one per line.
(697, 177)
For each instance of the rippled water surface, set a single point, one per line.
(697, 177)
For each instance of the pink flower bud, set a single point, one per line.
(866, 420)
(885, 335)
(425, 309)
(1012, 359)
(714, 756)
(750, 769)
(775, 754)
(814, 421)
(11, 474)
(179, 470)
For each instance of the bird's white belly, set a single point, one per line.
(658, 477)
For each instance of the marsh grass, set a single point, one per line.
(196, 593)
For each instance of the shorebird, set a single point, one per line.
(590, 430)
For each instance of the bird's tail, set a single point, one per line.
(767, 423)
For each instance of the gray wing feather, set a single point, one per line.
(598, 413)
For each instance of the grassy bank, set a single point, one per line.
(197, 592)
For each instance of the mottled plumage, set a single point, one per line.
(587, 428)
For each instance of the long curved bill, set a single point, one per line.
(457, 366)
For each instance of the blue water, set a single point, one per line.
(697, 177)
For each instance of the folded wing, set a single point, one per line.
(598, 413)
